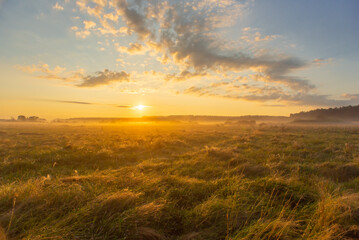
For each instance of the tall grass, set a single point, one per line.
(178, 182)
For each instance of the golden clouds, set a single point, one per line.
(89, 24)
(76, 78)
(184, 41)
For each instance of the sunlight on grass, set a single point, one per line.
(178, 181)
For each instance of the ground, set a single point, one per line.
(178, 181)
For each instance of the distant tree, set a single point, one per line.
(21, 118)
(33, 118)
(341, 113)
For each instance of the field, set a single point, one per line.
(178, 181)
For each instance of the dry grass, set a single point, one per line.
(180, 182)
(2, 234)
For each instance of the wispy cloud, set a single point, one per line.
(57, 73)
(265, 94)
(322, 61)
(354, 97)
(82, 103)
(65, 101)
(83, 34)
(78, 78)
(185, 75)
(124, 106)
(253, 36)
(89, 24)
(133, 48)
(104, 78)
(58, 7)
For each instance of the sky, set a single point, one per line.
(104, 58)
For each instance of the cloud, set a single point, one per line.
(124, 106)
(43, 68)
(185, 75)
(65, 101)
(181, 32)
(264, 94)
(78, 78)
(108, 28)
(111, 16)
(253, 36)
(82, 103)
(351, 96)
(104, 78)
(43, 71)
(135, 19)
(83, 34)
(136, 91)
(321, 61)
(58, 7)
(133, 48)
(89, 24)
(96, 11)
(74, 28)
(186, 36)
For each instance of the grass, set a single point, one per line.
(178, 181)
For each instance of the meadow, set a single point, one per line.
(178, 181)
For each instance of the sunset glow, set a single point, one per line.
(175, 119)
(84, 58)
(139, 107)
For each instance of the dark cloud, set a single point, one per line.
(135, 16)
(104, 78)
(124, 106)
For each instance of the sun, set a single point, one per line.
(139, 107)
